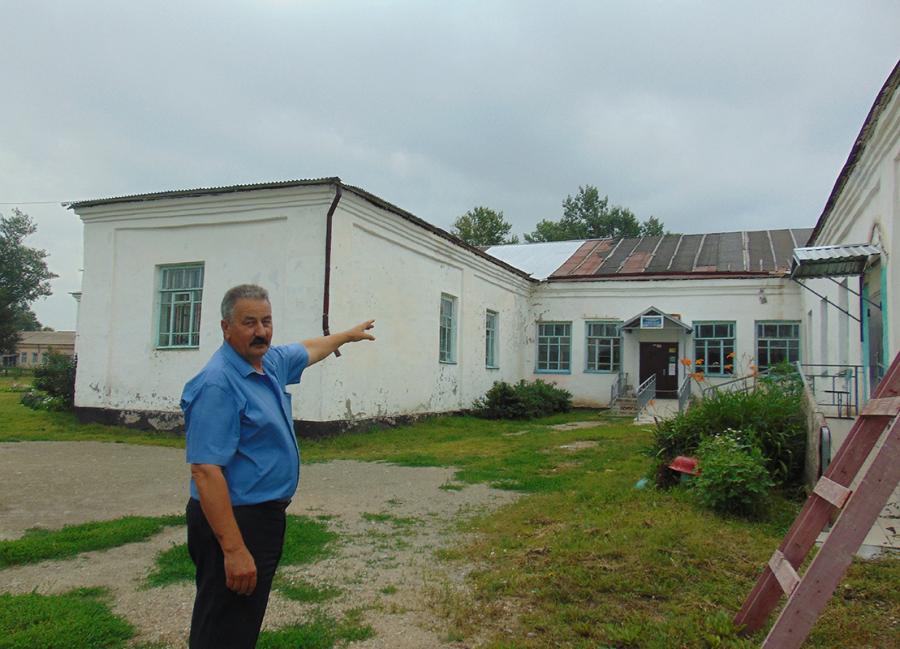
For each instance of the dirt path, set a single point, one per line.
(385, 567)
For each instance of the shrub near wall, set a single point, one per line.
(772, 412)
(522, 400)
(55, 380)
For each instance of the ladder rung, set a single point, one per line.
(784, 572)
(831, 491)
(889, 406)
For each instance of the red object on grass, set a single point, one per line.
(685, 464)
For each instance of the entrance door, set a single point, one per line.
(661, 359)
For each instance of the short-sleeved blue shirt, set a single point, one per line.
(241, 420)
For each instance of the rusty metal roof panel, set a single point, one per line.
(783, 246)
(761, 257)
(637, 261)
(708, 255)
(730, 252)
(683, 261)
(614, 262)
(572, 264)
(596, 258)
(664, 252)
(801, 236)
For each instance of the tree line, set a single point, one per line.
(24, 277)
(586, 215)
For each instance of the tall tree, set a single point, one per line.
(588, 216)
(24, 277)
(482, 226)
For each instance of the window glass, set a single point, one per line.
(447, 338)
(714, 347)
(777, 342)
(554, 347)
(603, 347)
(180, 299)
(491, 319)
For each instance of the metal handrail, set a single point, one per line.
(843, 394)
(646, 392)
(684, 393)
(741, 379)
(617, 389)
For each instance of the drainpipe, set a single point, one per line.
(328, 224)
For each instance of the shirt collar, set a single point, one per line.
(237, 361)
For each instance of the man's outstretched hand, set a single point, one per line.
(358, 332)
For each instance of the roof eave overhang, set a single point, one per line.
(832, 261)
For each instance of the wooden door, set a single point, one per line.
(661, 359)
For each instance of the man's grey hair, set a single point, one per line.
(241, 292)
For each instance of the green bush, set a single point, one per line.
(41, 401)
(56, 377)
(773, 411)
(733, 478)
(522, 400)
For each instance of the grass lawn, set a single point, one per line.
(583, 559)
(40, 545)
(305, 541)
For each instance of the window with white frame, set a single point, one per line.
(776, 342)
(554, 346)
(714, 347)
(604, 349)
(448, 329)
(491, 331)
(180, 297)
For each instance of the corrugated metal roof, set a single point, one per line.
(718, 253)
(537, 259)
(832, 261)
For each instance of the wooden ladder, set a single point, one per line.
(859, 510)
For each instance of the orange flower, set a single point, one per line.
(729, 355)
(697, 376)
(699, 361)
(686, 362)
(728, 367)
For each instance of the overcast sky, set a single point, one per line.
(712, 116)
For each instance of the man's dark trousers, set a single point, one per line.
(223, 619)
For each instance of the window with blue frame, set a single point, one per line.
(604, 347)
(714, 347)
(554, 347)
(180, 298)
(491, 326)
(447, 352)
(777, 342)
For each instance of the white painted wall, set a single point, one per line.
(737, 300)
(866, 211)
(387, 268)
(383, 267)
(272, 238)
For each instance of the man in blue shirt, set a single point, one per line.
(245, 465)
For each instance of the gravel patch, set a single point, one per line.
(390, 521)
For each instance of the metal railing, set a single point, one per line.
(740, 384)
(646, 392)
(684, 393)
(834, 386)
(617, 389)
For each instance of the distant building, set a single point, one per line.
(34, 346)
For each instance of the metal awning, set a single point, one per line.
(832, 261)
(637, 322)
